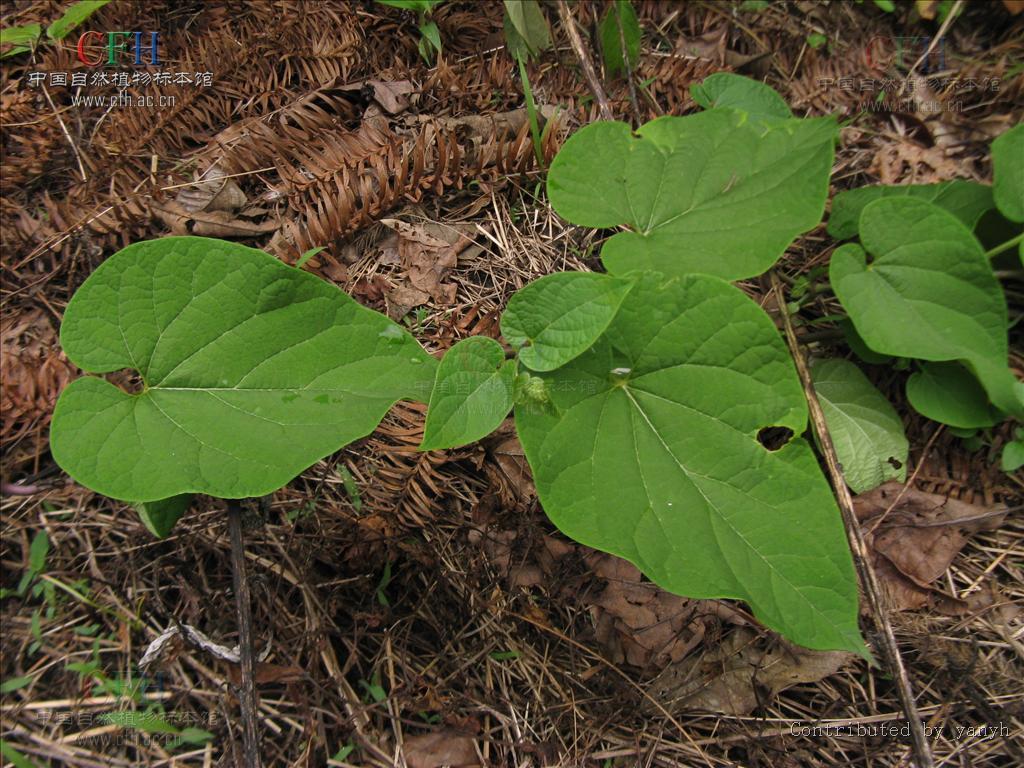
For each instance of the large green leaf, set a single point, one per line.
(724, 89)
(713, 192)
(252, 371)
(865, 429)
(949, 394)
(648, 449)
(472, 395)
(967, 200)
(554, 319)
(929, 292)
(1008, 173)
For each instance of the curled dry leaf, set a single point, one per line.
(636, 621)
(508, 469)
(639, 623)
(913, 545)
(169, 643)
(428, 251)
(441, 748)
(391, 96)
(212, 193)
(908, 163)
(213, 223)
(740, 673)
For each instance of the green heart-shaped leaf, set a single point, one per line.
(252, 371)
(865, 428)
(472, 395)
(555, 318)
(967, 200)
(649, 449)
(929, 292)
(713, 192)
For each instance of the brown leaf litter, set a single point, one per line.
(741, 673)
(427, 251)
(441, 749)
(913, 537)
(33, 371)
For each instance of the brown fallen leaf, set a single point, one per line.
(428, 251)
(450, 748)
(1014, 6)
(511, 472)
(402, 298)
(209, 223)
(743, 671)
(904, 162)
(390, 96)
(712, 46)
(214, 192)
(639, 623)
(913, 545)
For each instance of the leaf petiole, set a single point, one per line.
(1005, 246)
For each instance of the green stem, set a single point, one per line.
(531, 111)
(1005, 246)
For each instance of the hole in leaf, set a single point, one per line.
(896, 463)
(774, 438)
(128, 380)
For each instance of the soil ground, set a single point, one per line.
(417, 608)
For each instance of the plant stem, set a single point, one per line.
(247, 697)
(1005, 246)
(922, 751)
(569, 24)
(531, 111)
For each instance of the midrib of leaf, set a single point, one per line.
(231, 405)
(163, 331)
(883, 265)
(712, 506)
